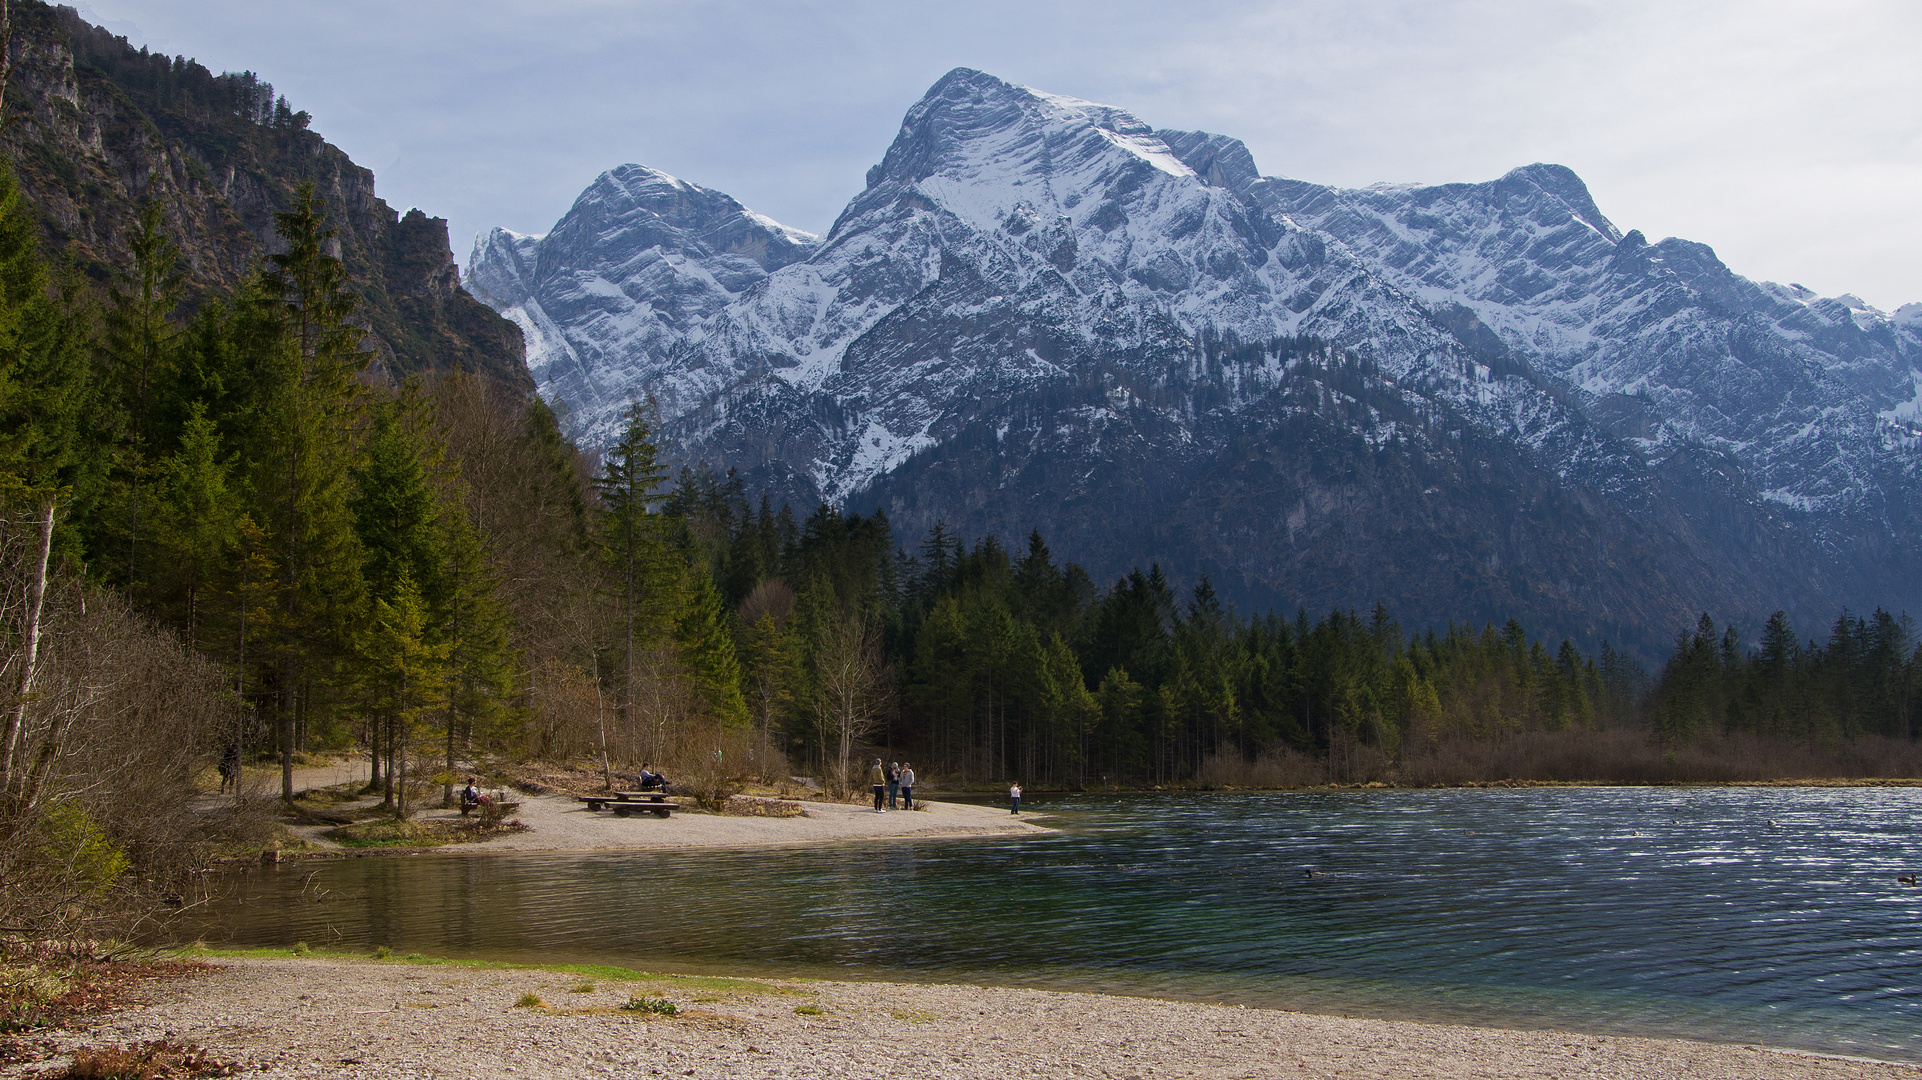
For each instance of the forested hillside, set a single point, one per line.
(97, 129)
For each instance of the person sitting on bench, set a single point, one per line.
(652, 781)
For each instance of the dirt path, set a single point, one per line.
(336, 1018)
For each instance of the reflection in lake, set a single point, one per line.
(1757, 914)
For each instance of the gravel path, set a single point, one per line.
(344, 1018)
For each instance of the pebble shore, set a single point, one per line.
(335, 1017)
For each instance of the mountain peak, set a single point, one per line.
(969, 116)
(1561, 182)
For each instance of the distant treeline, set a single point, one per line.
(1012, 666)
(178, 84)
(1866, 680)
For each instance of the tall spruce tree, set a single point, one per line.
(139, 358)
(310, 356)
(196, 522)
(630, 475)
(404, 672)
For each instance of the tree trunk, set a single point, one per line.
(387, 793)
(23, 685)
(287, 698)
(447, 789)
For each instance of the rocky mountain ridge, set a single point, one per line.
(1468, 401)
(97, 127)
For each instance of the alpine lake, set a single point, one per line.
(1767, 915)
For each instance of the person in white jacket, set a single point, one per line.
(907, 786)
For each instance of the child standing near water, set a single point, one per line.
(1014, 793)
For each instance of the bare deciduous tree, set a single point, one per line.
(121, 724)
(854, 688)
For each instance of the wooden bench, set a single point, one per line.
(467, 808)
(624, 803)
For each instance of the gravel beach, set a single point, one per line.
(345, 1018)
(342, 1017)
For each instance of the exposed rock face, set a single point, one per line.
(1811, 398)
(608, 299)
(1043, 313)
(101, 128)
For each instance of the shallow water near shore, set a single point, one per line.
(1766, 915)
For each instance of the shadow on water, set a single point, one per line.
(1764, 914)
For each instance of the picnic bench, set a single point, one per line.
(624, 803)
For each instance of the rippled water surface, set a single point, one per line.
(1766, 914)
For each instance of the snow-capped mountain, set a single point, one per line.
(1466, 400)
(610, 298)
(1811, 397)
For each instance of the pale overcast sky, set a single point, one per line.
(1786, 135)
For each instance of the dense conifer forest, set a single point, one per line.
(223, 530)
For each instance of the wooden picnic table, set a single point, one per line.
(624, 803)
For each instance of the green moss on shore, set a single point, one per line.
(597, 972)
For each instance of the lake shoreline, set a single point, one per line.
(556, 822)
(339, 1017)
(561, 823)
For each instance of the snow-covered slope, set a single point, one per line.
(608, 299)
(1662, 341)
(1043, 312)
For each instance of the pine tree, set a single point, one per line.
(309, 355)
(768, 685)
(404, 674)
(140, 355)
(481, 661)
(256, 605)
(708, 651)
(397, 516)
(196, 520)
(629, 477)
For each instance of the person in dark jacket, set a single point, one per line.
(894, 784)
(230, 769)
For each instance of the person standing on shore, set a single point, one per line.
(907, 786)
(1014, 793)
(878, 780)
(894, 783)
(230, 769)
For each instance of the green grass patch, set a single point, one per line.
(656, 1006)
(606, 973)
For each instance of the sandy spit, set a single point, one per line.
(344, 1018)
(562, 823)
